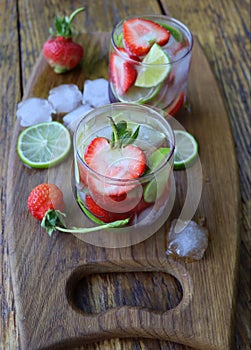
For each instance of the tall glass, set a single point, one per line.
(158, 80)
(142, 200)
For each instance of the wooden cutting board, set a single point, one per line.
(69, 292)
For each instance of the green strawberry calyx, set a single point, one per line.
(53, 220)
(63, 24)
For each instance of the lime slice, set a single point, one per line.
(156, 186)
(118, 40)
(186, 150)
(154, 69)
(44, 145)
(138, 95)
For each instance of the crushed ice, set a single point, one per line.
(34, 110)
(65, 98)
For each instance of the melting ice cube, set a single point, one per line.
(190, 243)
(65, 98)
(34, 110)
(72, 119)
(96, 92)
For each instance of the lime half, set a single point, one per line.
(44, 145)
(154, 69)
(186, 150)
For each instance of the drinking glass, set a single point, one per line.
(142, 200)
(165, 85)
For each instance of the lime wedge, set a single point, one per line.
(44, 145)
(154, 69)
(156, 186)
(186, 150)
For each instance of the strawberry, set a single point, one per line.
(108, 216)
(61, 52)
(176, 105)
(44, 197)
(122, 73)
(140, 34)
(46, 204)
(103, 214)
(117, 159)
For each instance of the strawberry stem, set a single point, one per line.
(75, 13)
(114, 224)
(54, 220)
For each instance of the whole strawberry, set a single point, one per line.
(60, 51)
(46, 204)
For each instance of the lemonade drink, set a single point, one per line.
(149, 61)
(124, 177)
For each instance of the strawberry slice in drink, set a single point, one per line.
(121, 73)
(117, 165)
(140, 35)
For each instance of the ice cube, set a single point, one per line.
(96, 92)
(72, 119)
(190, 243)
(65, 98)
(34, 110)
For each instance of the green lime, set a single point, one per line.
(177, 34)
(186, 150)
(155, 67)
(44, 145)
(156, 186)
(138, 95)
(118, 40)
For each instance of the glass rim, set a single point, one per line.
(144, 177)
(145, 16)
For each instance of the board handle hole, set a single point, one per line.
(95, 293)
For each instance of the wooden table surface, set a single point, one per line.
(223, 29)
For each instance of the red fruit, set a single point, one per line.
(126, 163)
(176, 105)
(44, 197)
(62, 54)
(140, 34)
(103, 214)
(122, 73)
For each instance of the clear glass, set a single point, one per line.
(144, 199)
(169, 94)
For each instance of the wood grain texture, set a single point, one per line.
(225, 37)
(34, 254)
(10, 95)
(223, 28)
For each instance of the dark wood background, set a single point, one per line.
(223, 29)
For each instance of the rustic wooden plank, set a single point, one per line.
(223, 28)
(10, 94)
(33, 253)
(237, 96)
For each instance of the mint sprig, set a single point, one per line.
(122, 135)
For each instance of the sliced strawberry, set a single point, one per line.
(176, 105)
(103, 214)
(140, 34)
(126, 163)
(122, 73)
